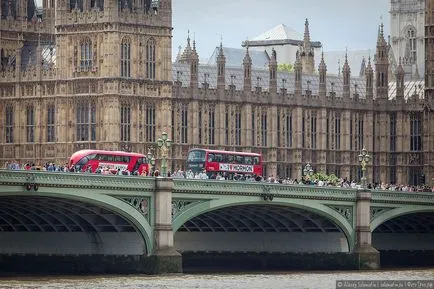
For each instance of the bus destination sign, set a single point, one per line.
(236, 168)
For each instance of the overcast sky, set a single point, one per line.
(336, 23)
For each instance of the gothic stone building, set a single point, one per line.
(98, 74)
(407, 20)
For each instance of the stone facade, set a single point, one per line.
(407, 20)
(103, 78)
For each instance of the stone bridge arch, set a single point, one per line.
(113, 204)
(197, 208)
(398, 212)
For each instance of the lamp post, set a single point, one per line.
(151, 160)
(308, 171)
(364, 158)
(164, 144)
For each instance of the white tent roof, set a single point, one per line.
(281, 31)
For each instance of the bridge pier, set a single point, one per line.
(165, 258)
(368, 257)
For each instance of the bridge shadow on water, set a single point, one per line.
(211, 262)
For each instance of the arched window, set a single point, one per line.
(86, 54)
(30, 124)
(9, 125)
(97, 4)
(125, 5)
(76, 4)
(51, 123)
(126, 58)
(8, 9)
(146, 5)
(3, 60)
(86, 120)
(150, 59)
(125, 123)
(411, 44)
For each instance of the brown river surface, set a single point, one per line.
(263, 280)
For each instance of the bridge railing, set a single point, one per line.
(193, 186)
(77, 180)
(401, 197)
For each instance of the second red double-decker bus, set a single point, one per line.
(229, 162)
(86, 160)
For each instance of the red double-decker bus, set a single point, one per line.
(229, 162)
(85, 160)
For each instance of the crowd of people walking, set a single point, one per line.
(179, 173)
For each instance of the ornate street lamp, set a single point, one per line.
(308, 171)
(164, 144)
(151, 160)
(364, 158)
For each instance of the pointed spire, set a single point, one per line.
(346, 67)
(187, 51)
(381, 29)
(322, 65)
(306, 36)
(188, 40)
(400, 74)
(194, 54)
(298, 69)
(380, 40)
(369, 74)
(221, 61)
(369, 67)
(273, 55)
(247, 59)
(221, 49)
(297, 54)
(339, 67)
(322, 69)
(362, 67)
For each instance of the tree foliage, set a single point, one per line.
(319, 176)
(285, 67)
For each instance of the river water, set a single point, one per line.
(279, 280)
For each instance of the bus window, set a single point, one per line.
(230, 158)
(219, 158)
(248, 160)
(256, 160)
(225, 158)
(82, 162)
(91, 157)
(239, 159)
(196, 156)
(211, 158)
